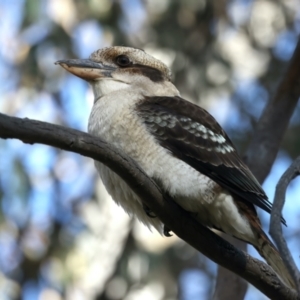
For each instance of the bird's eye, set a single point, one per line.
(123, 61)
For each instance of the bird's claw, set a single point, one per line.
(167, 231)
(148, 211)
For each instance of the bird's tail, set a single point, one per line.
(263, 244)
(268, 251)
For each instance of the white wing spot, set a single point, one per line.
(224, 149)
(218, 138)
(229, 148)
(221, 139)
(214, 138)
(210, 132)
(202, 128)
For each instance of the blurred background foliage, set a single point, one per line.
(61, 236)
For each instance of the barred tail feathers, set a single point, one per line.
(263, 244)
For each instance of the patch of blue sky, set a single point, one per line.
(9, 79)
(42, 205)
(63, 213)
(36, 32)
(11, 18)
(38, 158)
(254, 294)
(87, 37)
(135, 15)
(279, 166)
(46, 54)
(285, 45)
(6, 163)
(10, 255)
(37, 163)
(194, 284)
(15, 208)
(254, 96)
(238, 10)
(295, 119)
(250, 95)
(30, 291)
(13, 204)
(74, 102)
(39, 106)
(82, 186)
(235, 121)
(221, 110)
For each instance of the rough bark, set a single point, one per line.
(203, 239)
(261, 154)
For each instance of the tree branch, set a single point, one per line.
(203, 239)
(275, 224)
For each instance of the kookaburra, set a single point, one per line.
(178, 144)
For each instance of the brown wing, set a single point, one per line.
(194, 136)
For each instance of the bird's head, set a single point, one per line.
(116, 68)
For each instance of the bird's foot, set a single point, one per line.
(148, 211)
(167, 231)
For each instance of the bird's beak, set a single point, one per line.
(86, 69)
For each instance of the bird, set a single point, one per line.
(178, 144)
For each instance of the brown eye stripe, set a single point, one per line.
(153, 74)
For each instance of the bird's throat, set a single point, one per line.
(106, 86)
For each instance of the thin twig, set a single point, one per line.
(275, 224)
